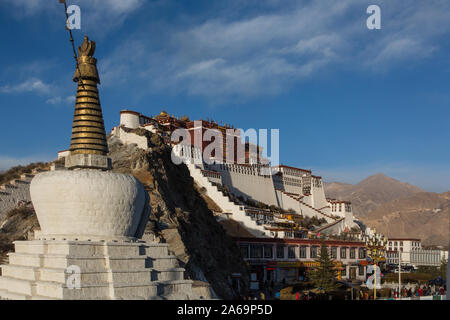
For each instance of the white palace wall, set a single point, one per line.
(129, 119)
(130, 138)
(287, 203)
(319, 200)
(245, 181)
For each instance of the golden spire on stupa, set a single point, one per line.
(88, 130)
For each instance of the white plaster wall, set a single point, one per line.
(63, 154)
(319, 199)
(256, 187)
(238, 212)
(286, 202)
(308, 200)
(88, 203)
(293, 189)
(131, 138)
(129, 120)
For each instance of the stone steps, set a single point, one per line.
(84, 262)
(39, 271)
(162, 262)
(167, 274)
(174, 286)
(22, 287)
(6, 295)
(60, 275)
(87, 248)
(55, 290)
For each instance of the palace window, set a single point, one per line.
(268, 251)
(313, 252)
(244, 250)
(352, 253)
(291, 252)
(303, 252)
(256, 251)
(343, 253)
(344, 271)
(361, 253)
(333, 252)
(280, 252)
(361, 270)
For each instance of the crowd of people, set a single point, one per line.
(418, 291)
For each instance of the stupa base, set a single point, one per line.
(92, 270)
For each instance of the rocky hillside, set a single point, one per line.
(368, 194)
(17, 224)
(16, 172)
(424, 215)
(180, 215)
(397, 209)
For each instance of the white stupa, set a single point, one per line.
(91, 221)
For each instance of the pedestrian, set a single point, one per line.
(420, 291)
(409, 293)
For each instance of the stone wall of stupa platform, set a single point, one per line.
(41, 269)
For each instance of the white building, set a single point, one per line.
(403, 245)
(292, 189)
(412, 253)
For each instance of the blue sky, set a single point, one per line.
(349, 102)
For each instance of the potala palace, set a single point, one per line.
(238, 187)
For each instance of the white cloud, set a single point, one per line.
(30, 85)
(267, 52)
(58, 100)
(97, 16)
(267, 48)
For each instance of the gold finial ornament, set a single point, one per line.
(88, 131)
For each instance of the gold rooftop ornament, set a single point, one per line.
(88, 147)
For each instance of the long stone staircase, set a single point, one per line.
(316, 212)
(43, 269)
(237, 212)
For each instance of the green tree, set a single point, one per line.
(324, 275)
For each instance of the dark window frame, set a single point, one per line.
(266, 256)
(280, 251)
(291, 256)
(343, 252)
(247, 250)
(252, 255)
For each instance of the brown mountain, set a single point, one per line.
(424, 215)
(397, 209)
(368, 194)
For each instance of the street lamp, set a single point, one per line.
(376, 247)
